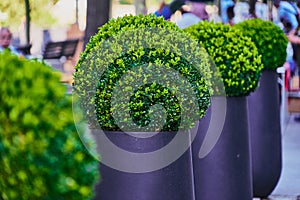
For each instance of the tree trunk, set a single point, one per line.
(252, 8)
(218, 4)
(27, 11)
(98, 12)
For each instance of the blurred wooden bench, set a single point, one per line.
(57, 53)
(57, 50)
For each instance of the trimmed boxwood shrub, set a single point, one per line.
(119, 50)
(41, 155)
(234, 54)
(122, 24)
(269, 39)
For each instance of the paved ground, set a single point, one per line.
(288, 187)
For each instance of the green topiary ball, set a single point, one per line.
(142, 73)
(122, 24)
(41, 154)
(235, 55)
(269, 39)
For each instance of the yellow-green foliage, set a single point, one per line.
(40, 12)
(234, 54)
(269, 39)
(122, 46)
(41, 155)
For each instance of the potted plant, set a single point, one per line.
(42, 156)
(224, 172)
(142, 84)
(264, 105)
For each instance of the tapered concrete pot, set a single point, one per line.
(172, 182)
(223, 171)
(265, 133)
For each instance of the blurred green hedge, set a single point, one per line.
(41, 154)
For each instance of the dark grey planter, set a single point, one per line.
(265, 133)
(173, 182)
(225, 172)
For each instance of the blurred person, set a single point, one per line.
(225, 4)
(261, 10)
(187, 18)
(288, 14)
(167, 10)
(192, 13)
(295, 41)
(241, 11)
(5, 41)
(199, 9)
(291, 28)
(213, 13)
(230, 15)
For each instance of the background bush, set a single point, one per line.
(269, 39)
(41, 155)
(234, 54)
(122, 46)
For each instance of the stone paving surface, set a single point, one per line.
(288, 187)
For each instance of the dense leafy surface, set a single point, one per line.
(269, 39)
(234, 54)
(41, 154)
(135, 63)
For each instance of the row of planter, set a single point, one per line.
(144, 76)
